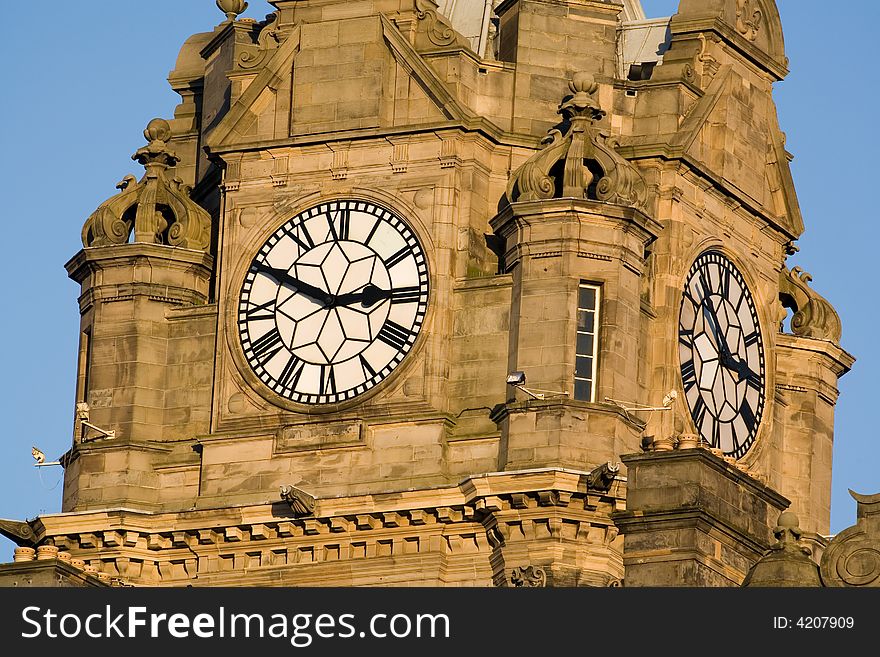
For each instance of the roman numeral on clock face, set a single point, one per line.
(300, 234)
(268, 345)
(686, 337)
(725, 282)
(747, 414)
(291, 373)
(394, 335)
(699, 412)
(262, 311)
(406, 294)
(327, 380)
(340, 224)
(397, 257)
(366, 368)
(688, 375)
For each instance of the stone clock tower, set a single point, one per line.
(413, 293)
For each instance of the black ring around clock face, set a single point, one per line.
(333, 302)
(721, 353)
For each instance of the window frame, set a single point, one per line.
(596, 310)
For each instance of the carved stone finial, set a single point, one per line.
(583, 86)
(591, 167)
(158, 209)
(157, 133)
(788, 533)
(787, 563)
(232, 8)
(301, 503)
(813, 316)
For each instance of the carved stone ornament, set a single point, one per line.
(268, 40)
(21, 533)
(813, 316)
(853, 556)
(232, 8)
(301, 503)
(439, 31)
(787, 563)
(528, 576)
(158, 210)
(579, 160)
(748, 18)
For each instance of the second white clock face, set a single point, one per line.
(333, 302)
(721, 353)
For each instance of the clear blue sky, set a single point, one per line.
(83, 80)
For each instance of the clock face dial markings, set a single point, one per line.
(333, 302)
(721, 355)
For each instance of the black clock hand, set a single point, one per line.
(368, 296)
(709, 313)
(284, 277)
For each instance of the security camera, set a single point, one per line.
(516, 378)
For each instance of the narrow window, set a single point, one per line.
(587, 343)
(85, 364)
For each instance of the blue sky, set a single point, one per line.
(81, 85)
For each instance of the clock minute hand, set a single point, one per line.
(284, 277)
(709, 313)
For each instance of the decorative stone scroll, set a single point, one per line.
(814, 316)
(269, 38)
(439, 31)
(579, 160)
(158, 210)
(528, 577)
(853, 556)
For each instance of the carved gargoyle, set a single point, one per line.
(301, 503)
(579, 160)
(159, 210)
(813, 316)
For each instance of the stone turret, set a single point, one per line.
(145, 257)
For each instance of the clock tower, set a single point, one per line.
(415, 294)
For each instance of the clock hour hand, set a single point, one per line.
(368, 296)
(284, 277)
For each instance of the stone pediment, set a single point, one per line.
(758, 170)
(289, 90)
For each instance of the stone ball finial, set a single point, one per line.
(788, 520)
(583, 83)
(158, 130)
(232, 8)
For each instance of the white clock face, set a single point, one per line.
(721, 353)
(333, 302)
